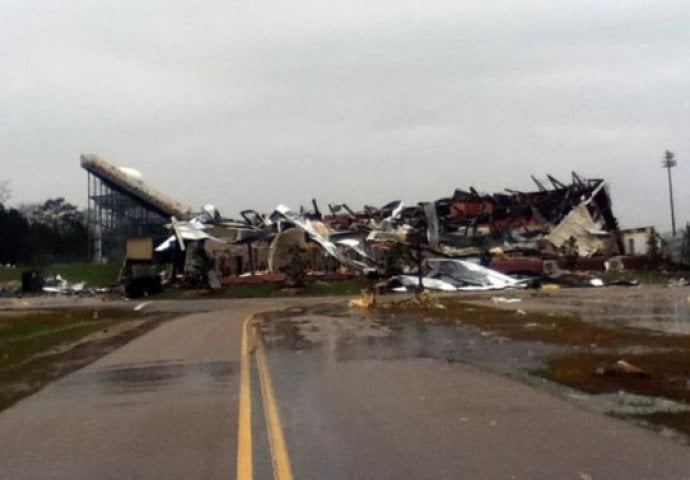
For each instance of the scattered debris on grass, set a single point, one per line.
(621, 367)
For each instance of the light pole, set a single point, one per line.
(668, 163)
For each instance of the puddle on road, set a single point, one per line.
(558, 347)
(345, 337)
(137, 378)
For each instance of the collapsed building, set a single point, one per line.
(573, 219)
(543, 221)
(555, 220)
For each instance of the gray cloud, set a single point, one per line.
(247, 104)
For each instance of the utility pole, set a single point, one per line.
(668, 163)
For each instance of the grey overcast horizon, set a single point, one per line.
(251, 104)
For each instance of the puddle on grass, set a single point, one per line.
(668, 317)
(659, 310)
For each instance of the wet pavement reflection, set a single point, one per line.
(512, 343)
(343, 337)
(155, 376)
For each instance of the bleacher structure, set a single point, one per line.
(122, 206)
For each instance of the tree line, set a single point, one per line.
(45, 233)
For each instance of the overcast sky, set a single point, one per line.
(247, 104)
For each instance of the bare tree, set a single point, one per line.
(5, 190)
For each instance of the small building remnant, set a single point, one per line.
(139, 272)
(636, 240)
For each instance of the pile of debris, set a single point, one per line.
(461, 242)
(33, 281)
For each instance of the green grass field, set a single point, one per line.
(93, 275)
(38, 347)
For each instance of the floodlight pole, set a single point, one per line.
(668, 163)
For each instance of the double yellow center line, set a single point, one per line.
(279, 454)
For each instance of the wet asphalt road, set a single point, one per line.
(164, 406)
(355, 403)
